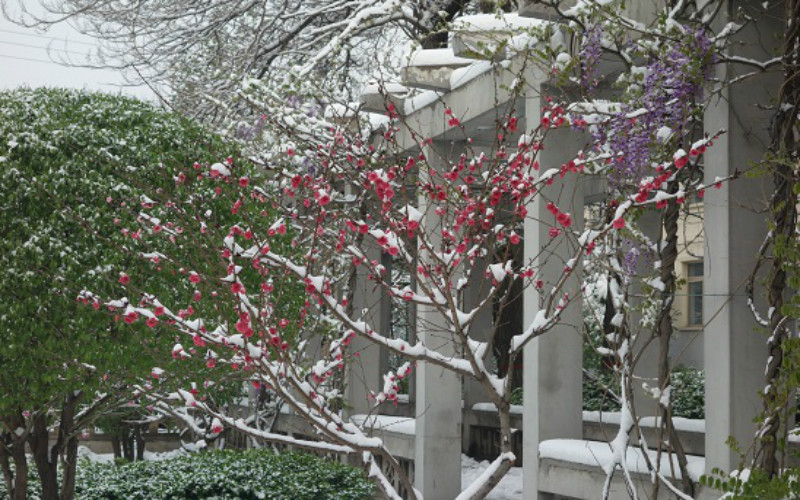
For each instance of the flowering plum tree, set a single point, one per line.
(449, 222)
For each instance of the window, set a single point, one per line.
(694, 292)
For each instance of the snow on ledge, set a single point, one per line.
(680, 423)
(597, 454)
(515, 409)
(494, 22)
(401, 425)
(437, 57)
(462, 76)
(384, 88)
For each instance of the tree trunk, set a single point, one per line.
(668, 255)
(139, 442)
(783, 211)
(116, 447)
(13, 449)
(20, 490)
(47, 457)
(69, 466)
(40, 448)
(127, 445)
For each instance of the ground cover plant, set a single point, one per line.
(255, 474)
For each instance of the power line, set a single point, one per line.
(47, 37)
(65, 51)
(31, 59)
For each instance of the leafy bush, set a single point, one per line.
(688, 392)
(600, 384)
(256, 474)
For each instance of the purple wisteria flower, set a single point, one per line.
(673, 84)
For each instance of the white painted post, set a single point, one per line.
(437, 450)
(735, 352)
(552, 371)
(365, 374)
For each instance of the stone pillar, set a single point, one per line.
(481, 329)
(370, 303)
(437, 448)
(734, 350)
(553, 362)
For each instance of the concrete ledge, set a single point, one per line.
(377, 97)
(432, 69)
(573, 468)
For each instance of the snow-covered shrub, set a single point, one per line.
(256, 474)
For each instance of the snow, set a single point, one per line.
(493, 22)
(462, 76)
(85, 452)
(596, 454)
(514, 409)
(510, 487)
(613, 417)
(220, 169)
(437, 57)
(420, 100)
(384, 88)
(401, 425)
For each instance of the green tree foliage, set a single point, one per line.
(66, 159)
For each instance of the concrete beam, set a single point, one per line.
(432, 69)
(377, 97)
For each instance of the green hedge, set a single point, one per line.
(225, 475)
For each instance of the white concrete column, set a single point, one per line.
(481, 329)
(735, 352)
(365, 372)
(553, 362)
(437, 450)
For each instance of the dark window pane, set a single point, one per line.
(696, 303)
(696, 270)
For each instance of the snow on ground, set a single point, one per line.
(510, 487)
(84, 452)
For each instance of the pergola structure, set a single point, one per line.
(477, 91)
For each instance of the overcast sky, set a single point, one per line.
(26, 60)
